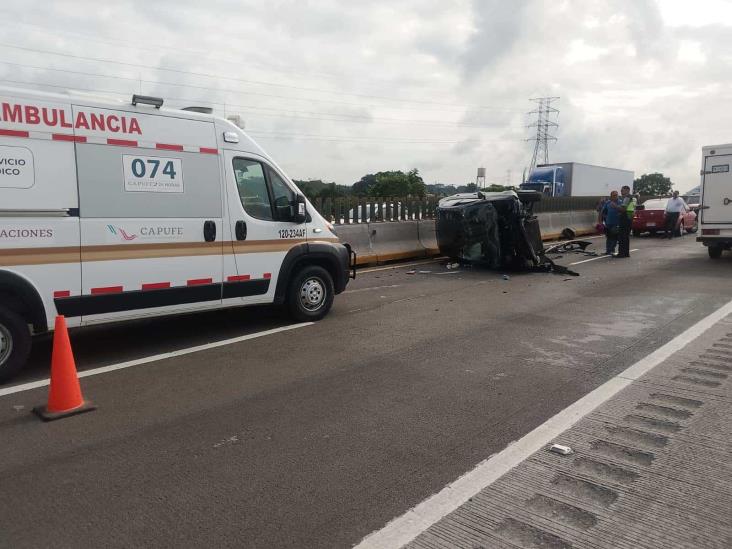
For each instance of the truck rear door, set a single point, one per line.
(717, 190)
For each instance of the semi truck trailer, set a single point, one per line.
(576, 179)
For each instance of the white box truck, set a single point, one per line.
(575, 179)
(715, 209)
(116, 211)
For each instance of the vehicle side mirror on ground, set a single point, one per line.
(300, 213)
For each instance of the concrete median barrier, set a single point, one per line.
(358, 235)
(396, 240)
(554, 223)
(427, 230)
(584, 221)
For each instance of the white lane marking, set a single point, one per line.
(596, 258)
(371, 288)
(162, 356)
(399, 266)
(405, 528)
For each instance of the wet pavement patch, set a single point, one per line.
(624, 453)
(562, 512)
(696, 381)
(713, 365)
(605, 471)
(677, 400)
(529, 537)
(653, 423)
(704, 373)
(634, 436)
(584, 490)
(665, 411)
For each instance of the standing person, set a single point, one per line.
(674, 208)
(609, 216)
(626, 209)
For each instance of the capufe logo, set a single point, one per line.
(54, 117)
(119, 231)
(147, 233)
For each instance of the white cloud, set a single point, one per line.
(336, 89)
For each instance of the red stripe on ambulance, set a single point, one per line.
(169, 147)
(122, 142)
(207, 150)
(61, 293)
(156, 286)
(238, 278)
(107, 290)
(68, 137)
(199, 281)
(267, 275)
(14, 133)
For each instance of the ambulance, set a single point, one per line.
(118, 211)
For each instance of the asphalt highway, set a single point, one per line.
(318, 435)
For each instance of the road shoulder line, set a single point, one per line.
(153, 358)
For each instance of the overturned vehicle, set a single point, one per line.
(497, 230)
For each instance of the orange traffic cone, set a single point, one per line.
(64, 397)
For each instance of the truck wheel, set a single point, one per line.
(310, 294)
(15, 343)
(715, 252)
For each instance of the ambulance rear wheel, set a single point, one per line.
(15, 343)
(310, 294)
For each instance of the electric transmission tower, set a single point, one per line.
(545, 127)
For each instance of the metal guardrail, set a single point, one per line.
(350, 210)
(354, 210)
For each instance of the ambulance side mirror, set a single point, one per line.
(300, 214)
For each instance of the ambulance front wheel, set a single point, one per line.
(310, 294)
(15, 343)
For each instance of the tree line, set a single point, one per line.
(399, 183)
(387, 183)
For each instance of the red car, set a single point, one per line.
(651, 217)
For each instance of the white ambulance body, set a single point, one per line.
(118, 211)
(715, 211)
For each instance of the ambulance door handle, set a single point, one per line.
(209, 230)
(241, 230)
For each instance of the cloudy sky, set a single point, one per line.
(335, 89)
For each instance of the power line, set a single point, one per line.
(312, 115)
(264, 134)
(544, 126)
(352, 138)
(277, 113)
(243, 80)
(152, 47)
(137, 79)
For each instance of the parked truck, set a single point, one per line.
(716, 196)
(575, 179)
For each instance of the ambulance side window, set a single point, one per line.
(282, 195)
(252, 186)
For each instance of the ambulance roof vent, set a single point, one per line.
(156, 102)
(202, 110)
